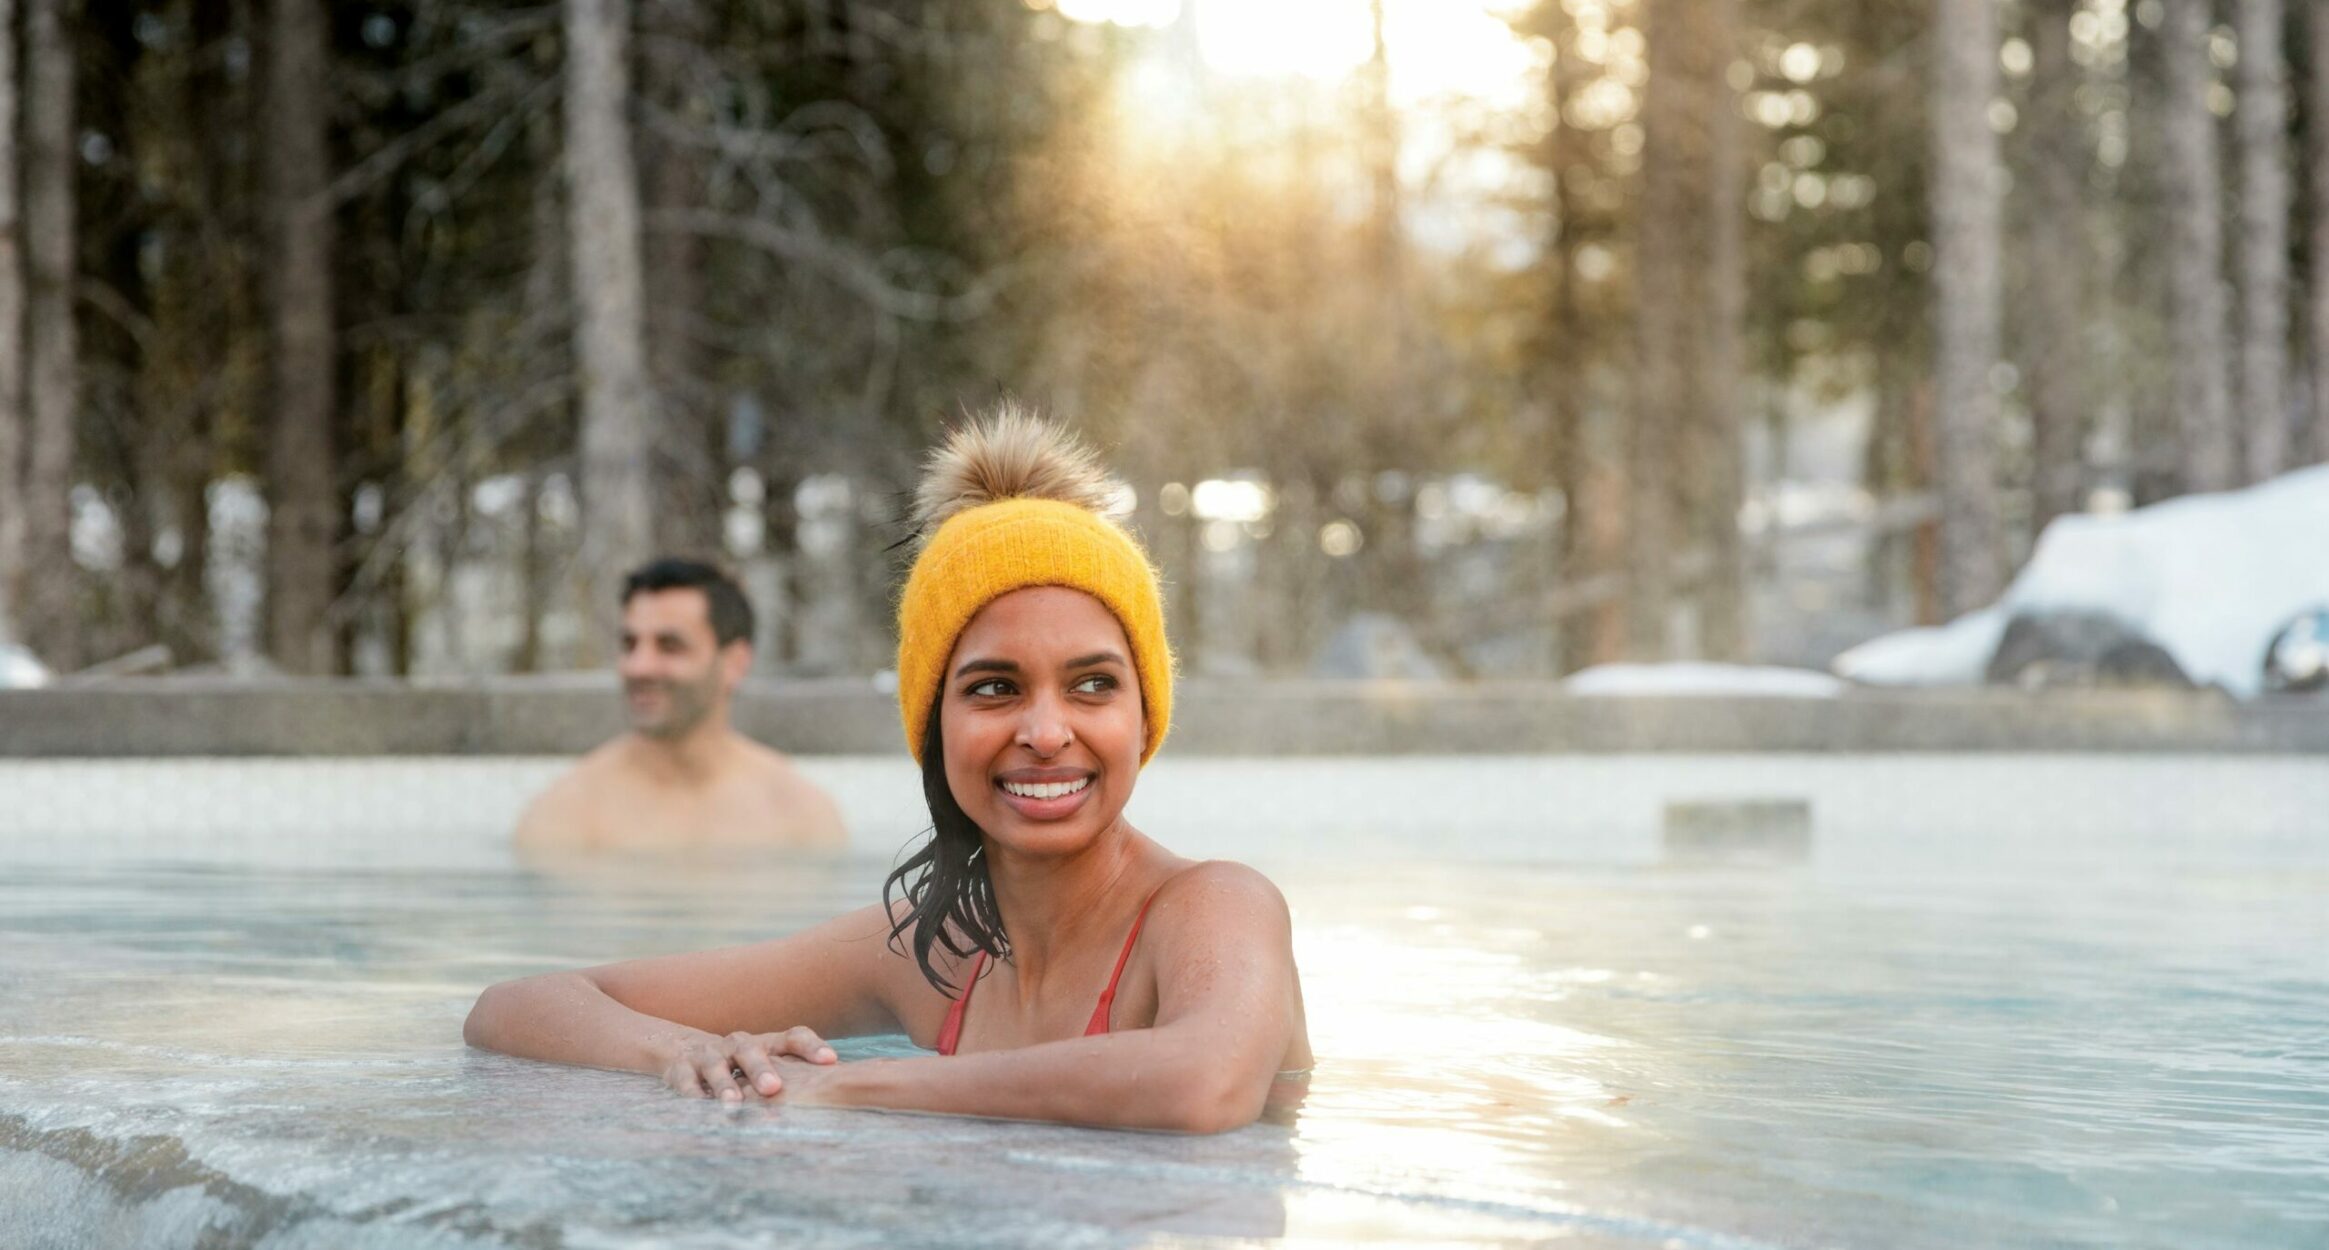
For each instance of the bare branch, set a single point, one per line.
(397, 536)
(102, 296)
(851, 271)
(488, 149)
(483, 41)
(800, 136)
(383, 163)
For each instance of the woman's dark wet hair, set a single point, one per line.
(949, 898)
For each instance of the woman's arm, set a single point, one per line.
(1227, 1009)
(640, 1015)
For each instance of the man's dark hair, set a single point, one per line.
(731, 612)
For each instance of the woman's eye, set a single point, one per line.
(991, 688)
(1094, 684)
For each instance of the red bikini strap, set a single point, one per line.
(950, 1033)
(1099, 1022)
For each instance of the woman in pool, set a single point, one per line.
(1063, 965)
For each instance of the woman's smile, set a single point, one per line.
(1046, 793)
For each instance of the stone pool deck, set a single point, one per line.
(184, 717)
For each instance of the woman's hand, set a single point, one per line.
(808, 1082)
(709, 1066)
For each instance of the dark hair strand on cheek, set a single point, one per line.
(949, 900)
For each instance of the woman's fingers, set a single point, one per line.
(683, 1078)
(724, 1068)
(708, 1071)
(802, 1041)
(759, 1067)
(719, 1077)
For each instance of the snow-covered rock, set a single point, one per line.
(2210, 578)
(1954, 654)
(1703, 679)
(2081, 650)
(19, 670)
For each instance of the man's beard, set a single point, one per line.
(685, 705)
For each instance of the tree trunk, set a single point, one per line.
(50, 606)
(1589, 455)
(1925, 554)
(2196, 230)
(2263, 119)
(1966, 190)
(303, 530)
(548, 269)
(609, 335)
(1688, 296)
(2317, 164)
(690, 461)
(2055, 336)
(1597, 513)
(533, 594)
(1897, 461)
(1716, 411)
(11, 339)
(1398, 577)
(1381, 138)
(1590, 473)
(1674, 146)
(780, 516)
(2143, 379)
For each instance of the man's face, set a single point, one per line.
(674, 671)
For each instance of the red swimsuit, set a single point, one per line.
(951, 1033)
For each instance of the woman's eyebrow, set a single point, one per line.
(987, 666)
(1095, 659)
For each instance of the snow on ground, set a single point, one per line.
(1703, 679)
(2210, 578)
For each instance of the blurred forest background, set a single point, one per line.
(1435, 337)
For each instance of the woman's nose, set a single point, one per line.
(1044, 729)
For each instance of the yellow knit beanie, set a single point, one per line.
(1009, 502)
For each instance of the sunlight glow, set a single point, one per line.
(1228, 499)
(1441, 49)
(1438, 49)
(1121, 12)
(1225, 79)
(1265, 38)
(1378, 993)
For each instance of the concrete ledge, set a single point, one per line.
(217, 717)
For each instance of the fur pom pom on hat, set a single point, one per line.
(1012, 501)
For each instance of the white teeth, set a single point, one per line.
(1053, 790)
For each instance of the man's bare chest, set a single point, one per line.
(647, 815)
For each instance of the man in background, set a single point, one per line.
(682, 778)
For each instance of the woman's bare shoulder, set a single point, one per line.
(1219, 889)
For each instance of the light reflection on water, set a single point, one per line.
(1508, 1053)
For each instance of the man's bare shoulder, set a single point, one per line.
(807, 814)
(561, 815)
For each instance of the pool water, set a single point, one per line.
(1895, 1043)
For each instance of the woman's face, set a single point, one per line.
(1042, 720)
